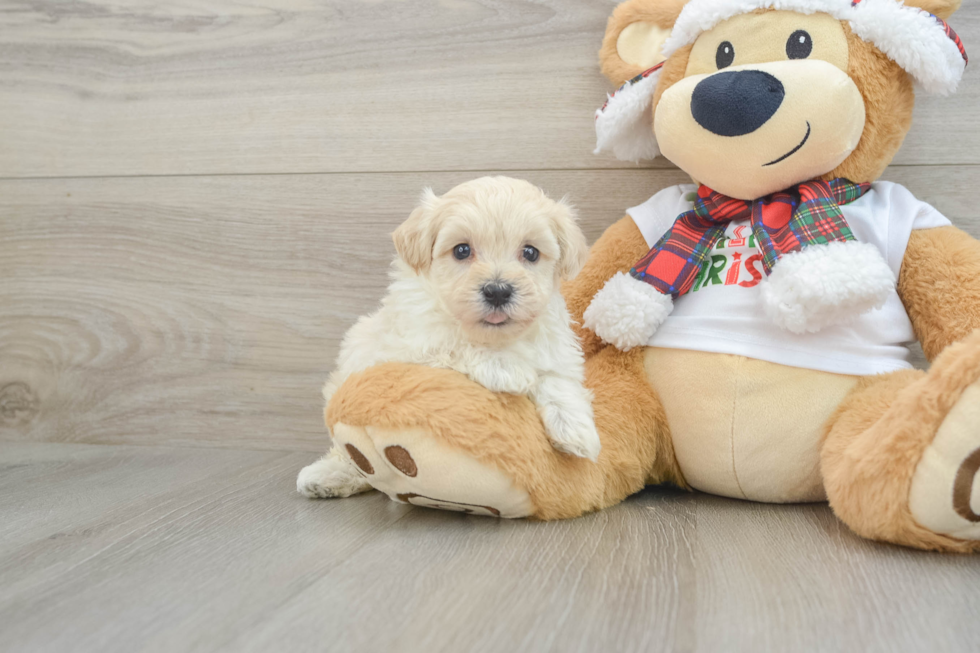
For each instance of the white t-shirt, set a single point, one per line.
(723, 313)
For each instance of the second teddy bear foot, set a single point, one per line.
(945, 494)
(900, 460)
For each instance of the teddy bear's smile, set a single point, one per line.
(794, 150)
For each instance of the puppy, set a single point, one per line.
(475, 288)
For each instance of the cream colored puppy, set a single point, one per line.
(475, 288)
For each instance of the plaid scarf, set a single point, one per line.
(784, 222)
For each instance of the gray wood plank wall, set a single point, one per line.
(195, 204)
(195, 198)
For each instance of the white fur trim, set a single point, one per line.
(627, 312)
(625, 125)
(911, 37)
(914, 40)
(824, 285)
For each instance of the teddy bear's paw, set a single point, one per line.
(945, 492)
(824, 285)
(411, 466)
(571, 430)
(331, 476)
(627, 312)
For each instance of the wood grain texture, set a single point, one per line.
(163, 549)
(165, 280)
(160, 549)
(189, 310)
(200, 87)
(209, 310)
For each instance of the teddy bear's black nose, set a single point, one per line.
(736, 102)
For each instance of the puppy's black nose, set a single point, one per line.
(497, 294)
(736, 102)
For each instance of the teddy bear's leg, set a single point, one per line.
(901, 454)
(432, 437)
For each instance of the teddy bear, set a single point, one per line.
(751, 384)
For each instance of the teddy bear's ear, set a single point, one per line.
(635, 34)
(632, 52)
(942, 8)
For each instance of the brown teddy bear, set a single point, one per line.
(757, 318)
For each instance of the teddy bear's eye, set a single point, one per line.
(725, 55)
(799, 45)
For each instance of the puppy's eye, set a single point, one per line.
(799, 45)
(725, 55)
(530, 254)
(461, 252)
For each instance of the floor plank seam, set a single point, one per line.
(332, 173)
(204, 444)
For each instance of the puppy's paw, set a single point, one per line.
(331, 476)
(505, 374)
(571, 431)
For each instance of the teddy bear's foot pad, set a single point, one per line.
(411, 466)
(945, 492)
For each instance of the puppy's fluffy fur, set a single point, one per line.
(440, 311)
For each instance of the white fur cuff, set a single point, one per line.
(627, 312)
(824, 285)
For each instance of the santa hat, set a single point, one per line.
(922, 44)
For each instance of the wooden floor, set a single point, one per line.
(111, 548)
(195, 202)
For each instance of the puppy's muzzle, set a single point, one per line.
(737, 102)
(497, 294)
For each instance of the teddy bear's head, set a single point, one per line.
(750, 97)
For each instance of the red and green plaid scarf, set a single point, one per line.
(784, 222)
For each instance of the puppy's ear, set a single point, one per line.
(634, 36)
(572, 248)
(416, 236)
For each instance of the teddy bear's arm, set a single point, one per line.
(940, 286)
(617, 250)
